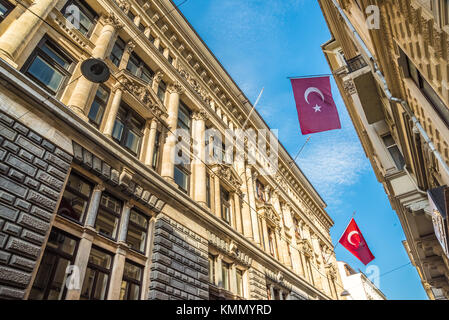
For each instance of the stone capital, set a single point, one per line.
(175, 87)
(200, 115)
(111, 19)
(130, 46)
(99, 187)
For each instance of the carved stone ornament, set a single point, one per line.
(111, 19)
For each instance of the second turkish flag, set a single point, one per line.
(352, 239)
(316, 108)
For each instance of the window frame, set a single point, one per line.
(147, 218)
(126, 119)
(87, 11)
(156, 151)
(394, 145)
(141, 66)
(39, 52)
(9, 7)
(225, 204)
(98, 269)
(111, 212)
(118, 43)
(79, 194)
(132, 280)
(60, 255)
(101, 103)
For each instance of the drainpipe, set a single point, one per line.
(387, 91)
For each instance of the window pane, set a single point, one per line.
(55, 56)
(181, 178)
(85, 24)
(117, 52)
(72, 206)
(397, 157)
(239, 274)
(100, 258)
(45, 73)
(58, 282)
(3, 10)
(106, 223)
(136, 238)
(88, 284)
(100, 286)
(96, 112)
(117, 131)
(61, 242)
(132, 271)
(43, 277)
(111, 203)
(138, 219)
(132, 141)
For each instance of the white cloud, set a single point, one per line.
(333, 164)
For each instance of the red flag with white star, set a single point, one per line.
(316, 108)
(352, 239)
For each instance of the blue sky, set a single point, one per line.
(261, 43)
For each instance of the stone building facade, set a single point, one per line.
(406, 139)
(93, 204)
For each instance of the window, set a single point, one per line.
(131, 16)
(48, 65)
(117, 51)
(426, 89)
(208, 202)
(394, 151)
(239, 275)
(87, 16)
(75, 198)
(260, 190)
(182, 176)
(131, 282)
(128, 129)
(170, 59)
(211, 269)
(5, 9)
(225, 272)
(50, 280)
(151, 38)
(96, 281)
(99, 105)
(137, 231)
(108, 216)
(161, 90)
(184, 117)
(271, 242)
(157, 151)
(138, 68)
(225, 205)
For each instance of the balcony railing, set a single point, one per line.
(355, 63)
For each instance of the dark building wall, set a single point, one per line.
(179, 263)
(32, 174)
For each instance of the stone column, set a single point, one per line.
(296, 258)
(283, 244)
(150, 137)
(237, 212)
(80, 95)
(123, 230)
(217, 198)
(246, 215)
(113, 110)
(81, 261)
(218, 274)
(156, 79)
(272, 292)
(199, 166)
(118, 266)
(93, 206)
(265, 241)
(129, 48)
(233, 280)
(168, 153)
(20, 31)
(252, 203)
(279, 246)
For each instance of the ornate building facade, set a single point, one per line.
(390, 61)
(93, 204)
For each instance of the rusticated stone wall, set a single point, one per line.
(32, 174)
(179, 263)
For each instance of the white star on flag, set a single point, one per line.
(317, 108)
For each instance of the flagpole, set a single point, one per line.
(344, 230)
(254, 107)
(312, 76)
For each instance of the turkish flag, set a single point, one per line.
(352, 239)
(317, 111)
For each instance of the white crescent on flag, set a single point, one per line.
(350, 236)
(309, 91)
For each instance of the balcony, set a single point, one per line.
(355, 63)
